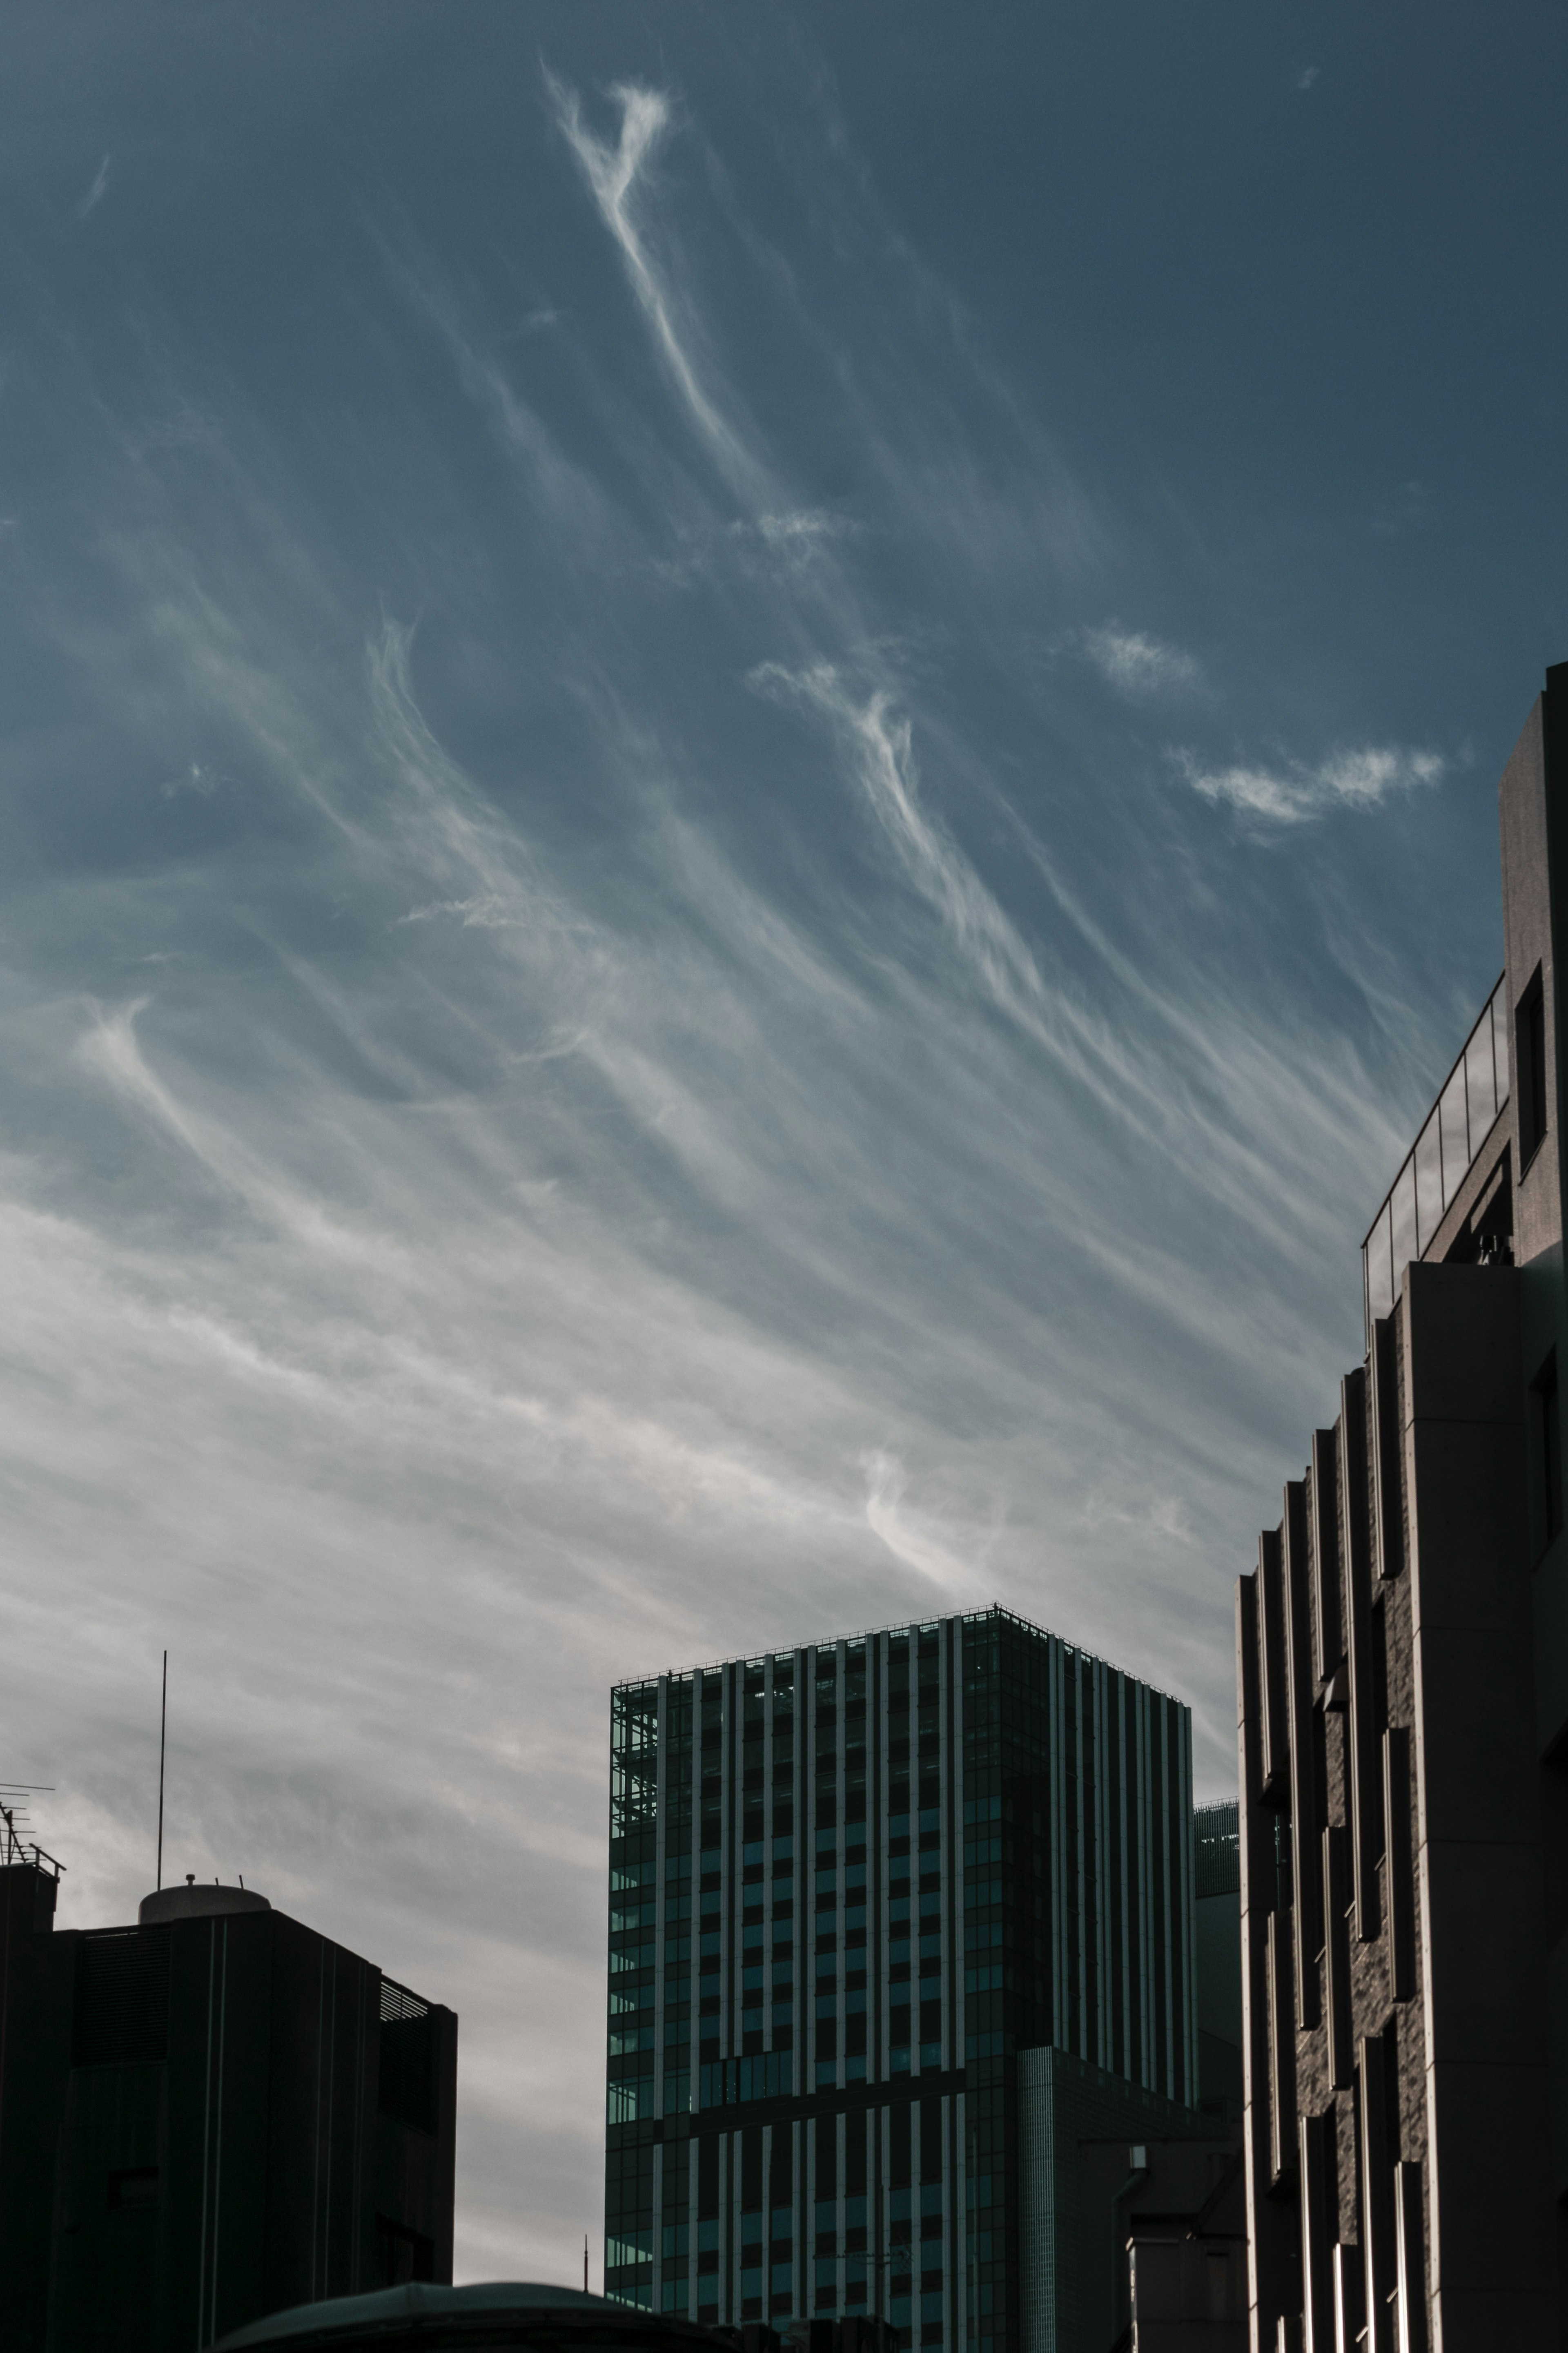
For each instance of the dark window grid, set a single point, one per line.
(1530, 1047)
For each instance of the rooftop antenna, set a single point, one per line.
(584, 2262)
(162, 1737)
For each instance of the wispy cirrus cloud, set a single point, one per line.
(615, 175)
(614, 1168)
(1293, 791)
(1136, 664)
(954, 1560)
(881, 739)
(96, 194)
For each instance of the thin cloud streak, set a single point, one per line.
(98, 191)
(1136, 664)
(613, 175)
(1295, 793)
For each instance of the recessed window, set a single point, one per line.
(1530, 1048)
(135, 2186)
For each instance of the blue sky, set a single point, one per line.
(749, 790)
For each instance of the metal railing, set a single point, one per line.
(1467, 1107)
(14, 1848)
(756, 1662)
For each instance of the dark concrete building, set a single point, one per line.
(1107, 2169)
(1131, 2207)
(204, 2118)
(1403, 1694)
(850, 1884)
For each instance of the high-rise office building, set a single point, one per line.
(205, 2117)
(850, 1886)
(1401, 1663)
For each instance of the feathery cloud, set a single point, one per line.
(1294, 792)
(1135, 664)
(613, 174)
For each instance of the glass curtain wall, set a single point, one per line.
(849, 1884)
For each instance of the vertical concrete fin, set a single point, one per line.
(1387, 1517)
(1350, 2298)
(1399, 1863)
(1317, 2269)
(1327, 1615)
(1366, 1776)
(1376, 2186)
(1272, 1640)
(1410, 2259)
(1269, 2231)
(1307, 1905)
(1337, 1961)
(1281, 2052)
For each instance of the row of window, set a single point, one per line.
(633, 2048)
(629, 2036)
(753, 1935)
(772, 2074)
(631, 2288)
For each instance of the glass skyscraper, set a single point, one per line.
(849, 1884)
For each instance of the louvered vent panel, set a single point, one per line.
(121, 1997)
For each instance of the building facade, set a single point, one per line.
(1111, 2177)
(207, 2118)
(849, 1884)
(1402, 1662)
(1216, 1959)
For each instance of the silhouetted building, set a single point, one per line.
(1403, 1673)
(204, 2118)
(1133, 2206)
(492, 2316)
(1106, 2166)
(849, 1886)
(1187, 2250)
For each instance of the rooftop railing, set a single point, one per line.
(1444, 1153)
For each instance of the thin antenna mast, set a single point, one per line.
(584, 2262)
(162, 1737)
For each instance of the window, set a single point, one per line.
(1548, 1449)
(1530, 1047)
(402, 2254)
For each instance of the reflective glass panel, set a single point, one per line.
(1427, 1157)
(1402, 1216)
(1480, 1084)
(1500, 1045)
(1453, 1126)
(1379, 1268)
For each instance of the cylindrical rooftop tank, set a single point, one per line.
(194, 1902)
(501, 2316)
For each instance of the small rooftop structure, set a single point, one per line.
(496, 2314)
(195, 1901)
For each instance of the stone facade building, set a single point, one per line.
(1402, 1666)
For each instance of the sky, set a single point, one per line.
(747, 792)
